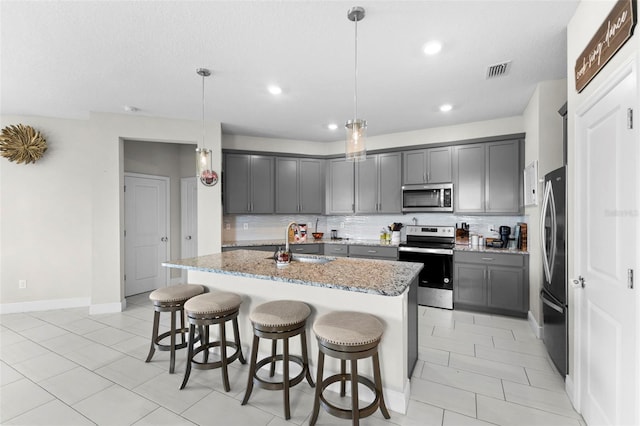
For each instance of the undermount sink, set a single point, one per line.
(311, 259)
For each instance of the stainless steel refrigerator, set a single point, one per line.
(554, 291)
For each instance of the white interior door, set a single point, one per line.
(606, 249)
(146, 232)
(189, 219)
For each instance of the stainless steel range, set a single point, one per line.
(432, 246)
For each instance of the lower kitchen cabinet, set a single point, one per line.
(339, 250)
(270, 249)
(305, 248)
(374, 252)
(491, 282)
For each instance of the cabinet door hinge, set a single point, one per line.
(630, 118)
(630, 278)
(125, 277)
(125, 188)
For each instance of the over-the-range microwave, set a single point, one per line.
(436, 197)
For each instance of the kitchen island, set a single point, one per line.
(385, 289)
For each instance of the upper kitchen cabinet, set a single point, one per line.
(488, 178)
(248, 184)
(378, 187)
(299, 185)
(431, 165)
(340, 186)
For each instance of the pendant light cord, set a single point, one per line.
(355, 76)
(203, 110)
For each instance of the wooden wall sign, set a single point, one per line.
(610, 37)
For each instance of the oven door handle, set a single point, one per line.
(425, 250)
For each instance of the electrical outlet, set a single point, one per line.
(227, 226)
(22, 283)
(245, 226)
(342, 225)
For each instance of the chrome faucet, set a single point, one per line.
(286, 235)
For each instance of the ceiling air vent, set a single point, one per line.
(498, 70)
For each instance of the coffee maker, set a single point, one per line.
(505, 231)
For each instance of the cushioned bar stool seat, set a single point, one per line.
(348, 336)
(217, 307)
(279, 320)
(170, 299)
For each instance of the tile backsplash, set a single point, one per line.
(269, 227)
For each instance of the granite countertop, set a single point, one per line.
(362, 242)
(380, 277)
(344, 241)
(489, 250)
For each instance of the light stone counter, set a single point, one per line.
(385, 289)
(361, 275)
(345, 241)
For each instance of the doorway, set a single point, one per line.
(146, 206)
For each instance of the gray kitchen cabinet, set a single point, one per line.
(488, 178)
(268, 248)
(373, 252)
(340, 250)
(491, 282)
(378, 184)
(299, 185)
(248, 184)
(306, 248)
(431, 165)
(340, 186)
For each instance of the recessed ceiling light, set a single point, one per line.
(432, 47)
(274, 90)
(332, 126)
(446, 107)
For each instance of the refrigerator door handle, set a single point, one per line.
(551, 304)
(543, 220)
(554, 231)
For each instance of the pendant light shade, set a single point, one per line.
(203, 155)
(355, 146)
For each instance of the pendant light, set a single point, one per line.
(355, 147)
(203, 155)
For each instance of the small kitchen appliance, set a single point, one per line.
(505, 231)
(432, 246)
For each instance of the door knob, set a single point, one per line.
(579, 281)
(188, 237)
(164, 239)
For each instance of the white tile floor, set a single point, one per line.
(68, 368)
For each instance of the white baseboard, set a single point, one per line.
(537, 329)
(108, 308)
(44, 305)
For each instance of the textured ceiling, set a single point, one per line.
(67, 59)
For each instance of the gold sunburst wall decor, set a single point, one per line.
(22, 144)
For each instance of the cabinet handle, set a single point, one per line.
(424, 177)
(372, 251)
(300, 249)
(428, 176)
(488, 259)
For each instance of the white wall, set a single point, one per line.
(587, 19)
(62, 218)
(46, 216)
(502, 126)
(543, 142)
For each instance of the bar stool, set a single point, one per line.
(170, 299)
(348, 336)
(279, 320)
(205, 310)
